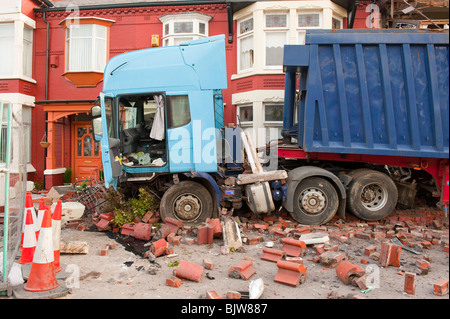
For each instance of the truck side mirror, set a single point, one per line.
(97, 122)
(96, 111)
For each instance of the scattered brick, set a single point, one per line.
(441, 287)
(390, 254)
(410, 283)
(173, 281)
(331, 258)
(424, 266)
(370, 250)
(233, 295)
(348, 272)
(212, 294)
(208, 264)
(243, 270)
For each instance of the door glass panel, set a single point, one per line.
(81, 131)
(78, 148)
(87, 146)
(96, 148)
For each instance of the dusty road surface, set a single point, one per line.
(116, 265)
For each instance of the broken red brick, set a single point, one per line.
(279, 233)
(189, 240)
(176, 240)
(173, 224)
(188, 270)
(348, 272)
(208, 264)
(390, 254)
(370, 250)
(244, 270)
(294, 248)
(127, 229)
(361, 282)
(290, 273)
(441, 287)
(261, 226)
(233, 295)
(212, 294)
(424, 266)
(104, 250)
(273, 255)
(331, 258)
(173, 281)
(142, 231)
(319, 248)
(410, 283)
(363, 235)
(217, 226)
(253, 239)
(170, 237)
(158, 247)
(205, 234)
(426, 244)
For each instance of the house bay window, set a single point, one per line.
(86, 47)
(86, 50)
(183, 27)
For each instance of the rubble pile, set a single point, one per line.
(292, 247)
(287, 248)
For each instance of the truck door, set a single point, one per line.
(105, 131)
(191, 132)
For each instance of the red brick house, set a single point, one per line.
(81, 40)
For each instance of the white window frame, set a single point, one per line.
(238, 113)
(272, 123)
(243, 36)
(320, 13)
(341, 21)
(268, 30)
(20, 49)
(95, 40)
(169, 20)
(27, 56)
(7, 42)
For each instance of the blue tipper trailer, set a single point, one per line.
(367, 97)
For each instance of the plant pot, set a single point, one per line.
(45, 144)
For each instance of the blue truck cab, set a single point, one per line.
(149, 101)
(159, 113)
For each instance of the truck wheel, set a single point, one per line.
(187, 201)
(371, 195)
(315, 201)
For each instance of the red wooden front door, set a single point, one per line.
(87, 157)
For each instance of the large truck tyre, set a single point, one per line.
(187, 201)
(316, 201)
(371, 195)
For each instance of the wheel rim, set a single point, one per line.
(313, 201)
(374, 197)
(187, 207)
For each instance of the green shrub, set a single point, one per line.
(127, 210)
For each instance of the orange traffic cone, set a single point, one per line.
(40, 215)
(56, 230)
(42, 274)
(29, 240)
(28, 207)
